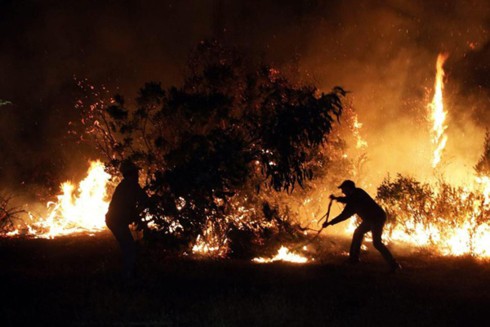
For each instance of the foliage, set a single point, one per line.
(208, 147)
(410, 203)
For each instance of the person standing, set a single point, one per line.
(127, 203)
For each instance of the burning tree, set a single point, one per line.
(208, 147)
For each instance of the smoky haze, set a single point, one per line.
(384, 52)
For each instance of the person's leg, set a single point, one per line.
(127, 246)
(357, 237)
(377, 231)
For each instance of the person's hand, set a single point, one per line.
(333, 197)
(325, 224)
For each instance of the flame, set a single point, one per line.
(465, 239)
(283, 254)
(360, 142)
(437, 112)
(471, 236)
(209, 243)
(82, 208)
(208, 246)
(76, 210)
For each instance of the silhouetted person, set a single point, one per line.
(127, 203)
(373, 219)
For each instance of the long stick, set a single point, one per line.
(327, 215)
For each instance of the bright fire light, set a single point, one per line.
(82, 208)
(437, 112)
(76, 210)
(284, 254)
(471, 234)
(360, 142)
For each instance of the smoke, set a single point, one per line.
(384, 52)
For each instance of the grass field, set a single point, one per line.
(74, 281)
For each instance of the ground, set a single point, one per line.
(74, 281)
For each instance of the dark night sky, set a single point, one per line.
(383, 51)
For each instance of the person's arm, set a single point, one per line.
(344, 215)
(341, 199)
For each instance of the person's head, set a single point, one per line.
(347, 187)
(128, 168)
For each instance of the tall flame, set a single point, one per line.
(437, 112)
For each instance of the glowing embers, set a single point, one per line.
(284, 254)
(209, 243)
(360, 142)
(78, 209)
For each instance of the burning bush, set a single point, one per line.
(209, 147)
(452, 220)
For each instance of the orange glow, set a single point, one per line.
(82, 207)
(469, 234)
